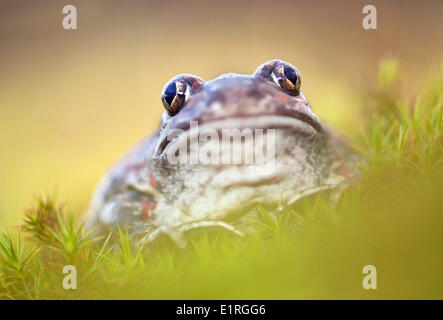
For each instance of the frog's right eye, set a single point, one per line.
(287, 77)
(176, 92)
(281, 73)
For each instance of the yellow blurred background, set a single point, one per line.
(72, 101)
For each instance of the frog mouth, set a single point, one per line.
(279, 115)
(298, 123)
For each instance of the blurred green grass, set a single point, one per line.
(391, 219)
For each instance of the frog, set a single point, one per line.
(150, 195)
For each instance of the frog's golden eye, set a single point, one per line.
(174, 96)
(288, 77)
(176, 92)
(281, 73)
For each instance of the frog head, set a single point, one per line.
(269, 101)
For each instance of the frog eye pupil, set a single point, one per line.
(290, 74)
(170, 93)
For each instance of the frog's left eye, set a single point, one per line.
(176, 92)
(287, 77)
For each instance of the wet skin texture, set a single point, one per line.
(145, 192)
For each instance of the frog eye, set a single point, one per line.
(287, 77)
(281, 73)
(176, 92)
(174, 96)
